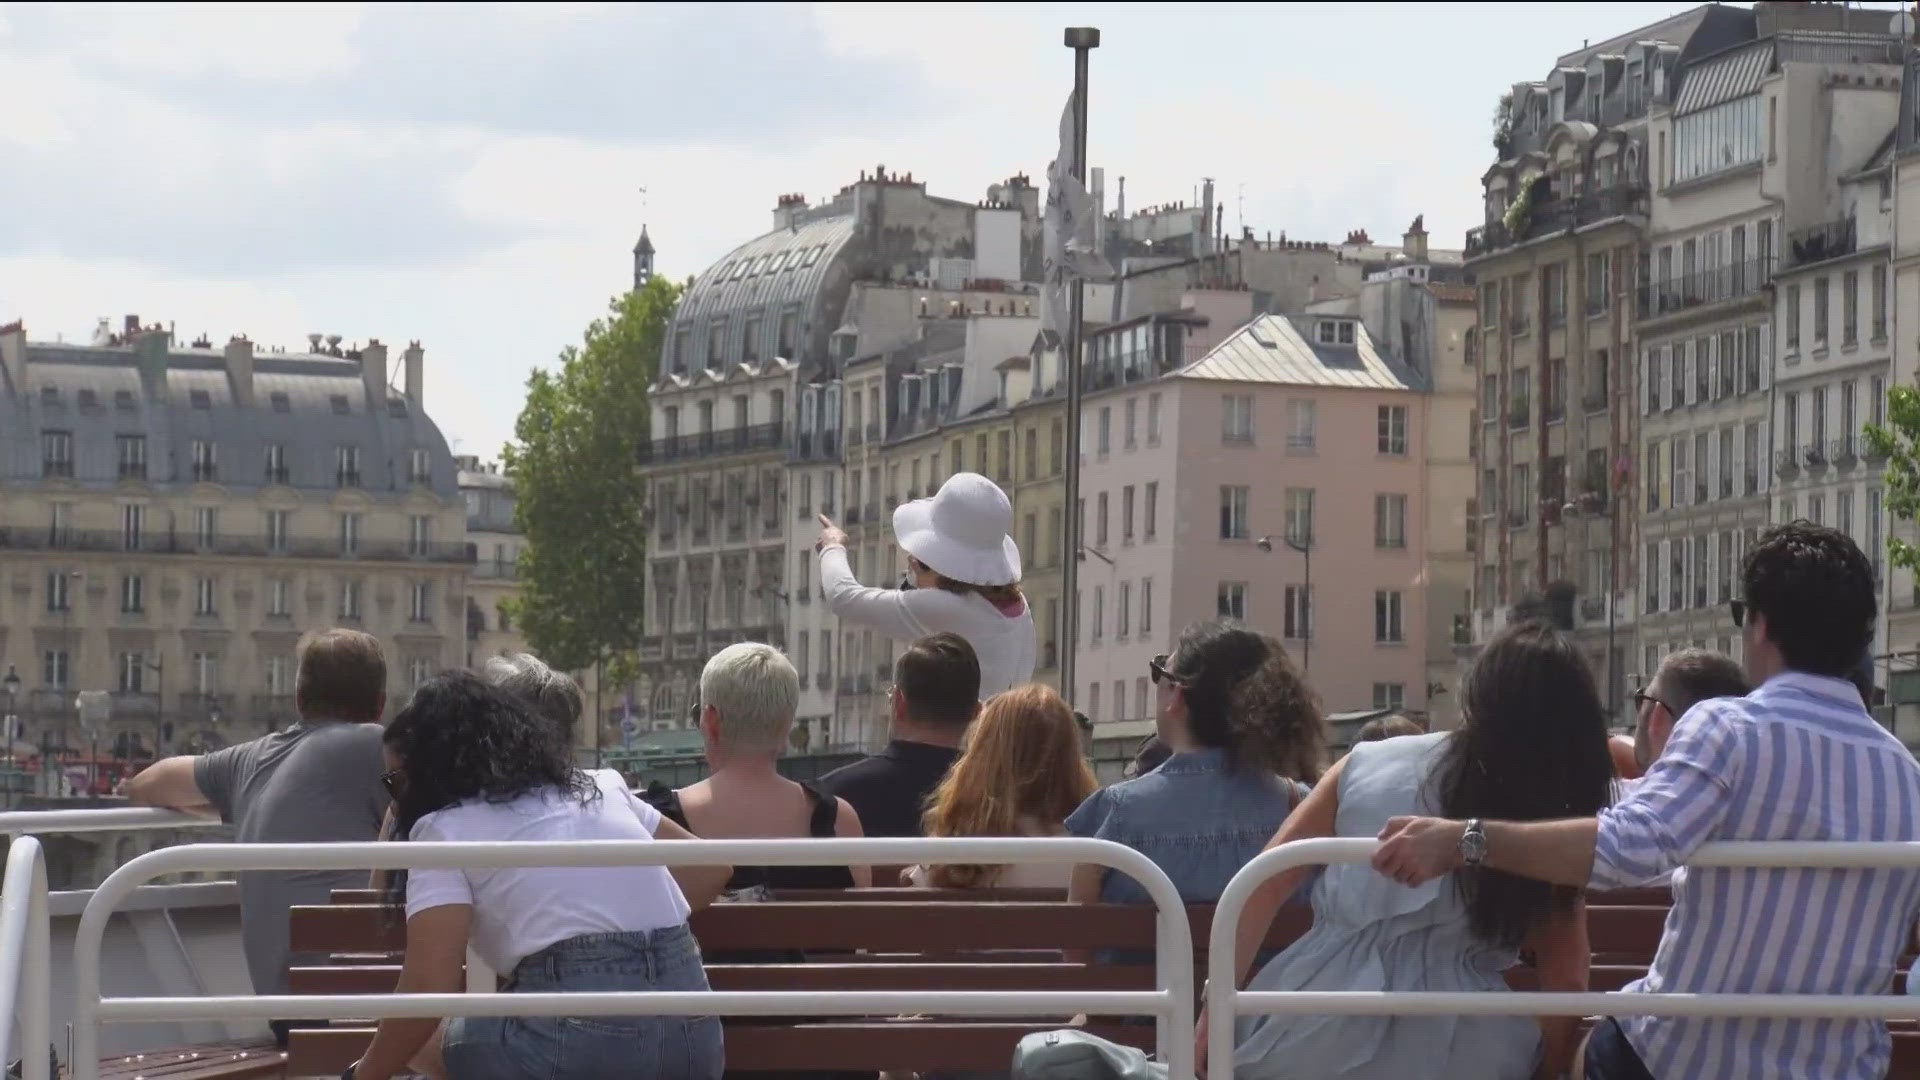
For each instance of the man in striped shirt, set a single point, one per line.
(1798, 759)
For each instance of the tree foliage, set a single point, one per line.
(1898, 441)
(579, 494)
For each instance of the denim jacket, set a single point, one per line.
(1193, 818)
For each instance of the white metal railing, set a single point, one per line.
(1225, 1000)
(25, 968)
(1170, 1002)
(109, 819)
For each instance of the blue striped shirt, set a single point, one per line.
(1799, 759)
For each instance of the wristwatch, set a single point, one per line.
(1473, 843)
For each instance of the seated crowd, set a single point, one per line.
(1492, 832)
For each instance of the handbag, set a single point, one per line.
(1072, 1054)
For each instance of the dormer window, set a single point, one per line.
(1334, 332)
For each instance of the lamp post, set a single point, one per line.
(159, 668)
(11, 684)
(1082, 40)
(1303, 545)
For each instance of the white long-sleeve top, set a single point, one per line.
(1003, 643)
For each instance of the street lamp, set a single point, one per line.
(1303, 545)
(11, 684)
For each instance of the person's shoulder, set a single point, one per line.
(855, 775)
(1097, 809)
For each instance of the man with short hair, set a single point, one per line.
(318, 780)
(1798, 759)
(935, 694)
(1685, 679)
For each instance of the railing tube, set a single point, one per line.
(1171, 1002)
(25, 969)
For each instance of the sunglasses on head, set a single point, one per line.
(1157, 667)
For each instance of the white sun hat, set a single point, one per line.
(962, 532)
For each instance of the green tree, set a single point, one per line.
(1898, 441)
(579, 494)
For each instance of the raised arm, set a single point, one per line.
(888, 611)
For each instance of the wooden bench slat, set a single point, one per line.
(382, 978)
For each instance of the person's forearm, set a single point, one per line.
(395, 1042)
(1256, 919)
(1560, 852)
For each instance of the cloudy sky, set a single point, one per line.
(470, 177)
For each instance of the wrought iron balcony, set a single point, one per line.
(1702, 287)
(1558, 216)
(1786, 462)
(1827, 240)
(717, 443)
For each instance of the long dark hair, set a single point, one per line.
(1532, 746)
(461, 738)
(1244, 696)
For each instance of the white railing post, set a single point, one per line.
(1170, 1002)
(25, 971)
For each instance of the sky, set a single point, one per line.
(471, 177)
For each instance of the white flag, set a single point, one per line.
(1072, 250)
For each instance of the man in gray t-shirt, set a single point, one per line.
(316, 781)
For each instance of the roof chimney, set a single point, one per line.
(131, 326)
(415, 358)
(373, 372)
(1414, 243)
(239, 353)
(13, 357)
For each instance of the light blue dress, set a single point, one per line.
(1371, 933)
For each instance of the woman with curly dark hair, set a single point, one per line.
(1532, 745)
(1247, 739)
(467, 761)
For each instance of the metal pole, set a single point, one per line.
(1306, 647)
(1082, 40)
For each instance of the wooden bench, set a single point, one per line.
(904, 939)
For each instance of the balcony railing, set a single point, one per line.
(716, 443)
(1828, 240)
(1557, 216)
(815, 446)
(1719, 285)
(133, 470)
(1786, 462)
(1843, 450)
(205, 471)
(33, 539)
(1814, 454)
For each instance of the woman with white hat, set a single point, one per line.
(965, 573)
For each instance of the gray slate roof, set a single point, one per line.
(1278, 349)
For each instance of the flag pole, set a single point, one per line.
(1082, 40)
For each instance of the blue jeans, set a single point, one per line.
(582, 1047)
(1610, 1056)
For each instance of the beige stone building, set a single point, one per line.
(174, 516)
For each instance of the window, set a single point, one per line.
(1123, 610)
(1146, 606)
(1099, 623)
(1390, 521)
(1299, 614)
(1850, 308)
(1651, 564)
(1126, 514)
(277, 529)
(1389, 695)
(1004, 444)
(1334, 332)
(133, 522)
(277, 681)
(419, 670)
(57, 598)
(204, 599)
(346, 466)
(350, 599)
(1819, 417)
(206, 523)
(1726, 463)
(1553, 283)
(1877, 313)
(1820, 313)
(1140, 698)
(349, 534)
(1656, 378)
(206, 672)
(1133, 411)
(1843, 511)
(1790, 417)
(419, 535)
(55, 669)
(1149, 510)
(1386, 616)
(1103, 445)
(1793, 317)
(1392, 429)
(1302, 423)
(205, 460)
(277, 590)
(1100, 520)
(1490, 303)
(1679, 476)
(1057, 454)
(419, 466)
(1299, 521)
(1520, 405)
(59, 523)
(1236, 418)
(1717, 138)
(1232, 600)
(1750, 455)
(1033, 459)
(131, 451)
(422, 608)
(133, 594)
(133, 672)
(1873, 529)
(56, 453)
(1093, 701)
(276, 463)
(1877, 405)
(1702, 471)
(1233, 512)
(1598, 271)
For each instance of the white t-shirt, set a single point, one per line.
(517, 911)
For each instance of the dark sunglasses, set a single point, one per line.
(394, 782)
(1738, 609)
(1641, 697)
(1157, 667)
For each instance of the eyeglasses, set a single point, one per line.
(1157, 667)
(1641, 697)
(1738, 609)
(395, 782)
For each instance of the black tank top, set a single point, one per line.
(820, 823)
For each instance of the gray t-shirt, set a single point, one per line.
(313, 782)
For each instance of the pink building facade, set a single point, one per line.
(1290, 429)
